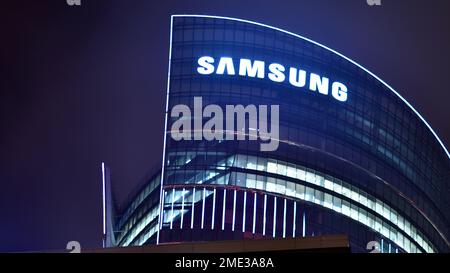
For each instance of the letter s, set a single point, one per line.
(205, 65)
(276, 72)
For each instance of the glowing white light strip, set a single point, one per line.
(223, 209)
(274, 216)
(331, 50)
(264, 217)
(193, 209)
(293, 221)
(104, 203)
(163, 199)
(382, 245)
(213, 208)
(165, 134)
(284, 219)
(254, 212)
(234, 210)
(203, 206)
(243, 211)
(171, 209)
(182, 209)
(304, 224)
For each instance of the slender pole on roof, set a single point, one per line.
(104, 205)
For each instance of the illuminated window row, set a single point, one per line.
(313, 177)
(332, 202)
(149, 188)
(139, 226)
(330, 183)
(147, 235)
(294, 190)
(135, 217)
(303, 192)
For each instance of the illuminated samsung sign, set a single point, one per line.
(275, 72)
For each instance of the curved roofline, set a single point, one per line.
(331, 50)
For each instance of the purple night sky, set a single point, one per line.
(81, 85)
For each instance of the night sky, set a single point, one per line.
(81, 85)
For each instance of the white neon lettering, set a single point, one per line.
(339, 91)
(205, 65)
(225, 63)
(317, 83)
(275, 72)
(246, 68)
(297, 79)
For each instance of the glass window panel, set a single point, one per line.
(300, 191)
(379, 207)
(262, 162)
(401, 223)
(337, 204)
(241, 161)
(413, 232)
(345, 208)
(407, 227)
(271, 167)
(241, 179)
(281, 168)
(291, 171)
(354, 212)
(260, 183)
(318, 196)
(378, 225)
(251, 163)
(394, 217)
(354, 195)
(290, 189)
(400, 240)
(370, 203)
(328, 184)
(362, 216)
(328, 201)
(363, 198)
(251, 181)
(386, 212)
(309, 194)
(221, 180)
(301, 174)
(346, 189)
(231, 161)
(393, 234)
(337, 187)
(281, 186)
(310, 177)
(271, 184)
(319, 180)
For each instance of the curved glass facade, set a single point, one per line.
(366, 165)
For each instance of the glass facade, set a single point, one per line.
(368, 167)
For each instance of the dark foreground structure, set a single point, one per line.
(320, 244)
(353, 157)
